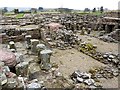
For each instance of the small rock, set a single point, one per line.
(33, 86)
(89, 82)
(115, 74)
(115, 61)
(94, 46)
(92, 86)
(109, 59)
(12, 83)
(80, 79)
(98, 84)
(105, 56)
(111, 56)
(86, 75)
(3, 79)
(58, 74)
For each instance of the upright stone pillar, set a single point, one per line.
(40, 47)
(34, 43)
(45, 59)
(106, 28)
(28, 42)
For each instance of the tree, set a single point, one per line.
(94, 10)
(40, 8)
(33, 10)
(16, 11)
(101, 9)
(98, 8)
(67, 10)
(86, 10)
(64, 10)
(5, 9)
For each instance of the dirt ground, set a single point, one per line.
(71, 60)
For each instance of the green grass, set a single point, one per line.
(47, 12)
(97, 13)
(9, 13)
(20, 15)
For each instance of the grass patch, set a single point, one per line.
(9, 13)
(20, 15)
(47, 12)
(97, 13)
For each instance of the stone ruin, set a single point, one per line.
(41, 32)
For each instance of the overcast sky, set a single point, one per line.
(74, 4)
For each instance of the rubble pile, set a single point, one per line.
(106, 58)
(14, 72)
(65, 39)
(85, 78)
(104, 72)
(111, 37)
(110, 59)
(6, 75)
(92, 78)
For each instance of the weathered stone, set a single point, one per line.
(8, 58)
(115, 61)
(89, 82)
(28, 42)
(33, 86)
(80, 79)
(40, 47)
(34, 43)
(22, 69)
(12, 83)
(57, 73)
(76, 73)
(105, 56)
(98, 85)
(3, 78)
(111, 56)
(19, 57)
(115, 74)
(45, 59)
(94, 46)
(85, 75)
(12, 45)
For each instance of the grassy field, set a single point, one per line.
(47, 12)
(81, 12)
(97, 13)
(9, 13)
(20, 15)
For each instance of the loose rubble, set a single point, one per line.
(107, 58)
(85, 78)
